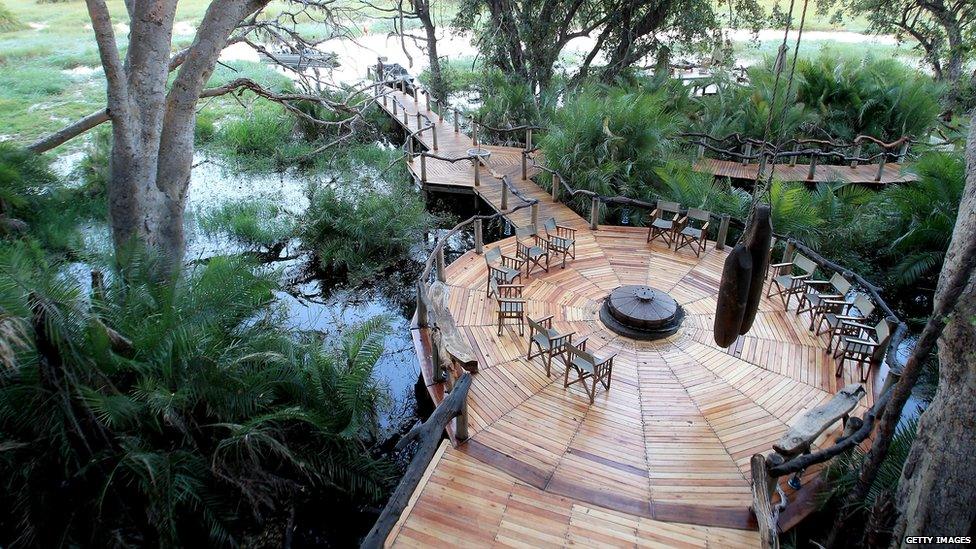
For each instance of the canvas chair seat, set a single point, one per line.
(665, 224)
(691, 232)
(855, 347)
(507, 273)
(581, 364)
(542, 340)
(784, 281)
(535, 251)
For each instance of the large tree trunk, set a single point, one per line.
(937, 491)
(152, 126)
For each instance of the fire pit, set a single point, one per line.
(641, 312)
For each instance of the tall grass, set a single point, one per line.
(257, 224)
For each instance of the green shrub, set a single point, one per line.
(258, 140)
(361, 230)
(694, 189)
(93, 170)
(205, 128)
(207, 422)
(9, 21)
(609, 142)
(254, 223)
(921, 216)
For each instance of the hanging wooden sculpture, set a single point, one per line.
(758, 239)
(733, 295)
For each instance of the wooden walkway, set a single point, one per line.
(863, 174)
(660, 459)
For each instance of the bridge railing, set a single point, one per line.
(748, 150)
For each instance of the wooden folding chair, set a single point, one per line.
(787, 283)
(548, 342)
(587, 367)
(503, 268)
(857, 311)
(562, 240)
(511, 306)
(531, 248)
(665, 218)
(867, 348)
(693, 230)
(816, 292)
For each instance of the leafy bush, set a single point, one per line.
(254, 223)
(507, 103)
(694, 189)
(921, 216)
(205, 129)
(9, 21)
(458, 76)
(163, 413)
(260, 133)
(361, 230)
(610, 141)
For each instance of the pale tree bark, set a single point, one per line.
(152, 125)
(937, 492)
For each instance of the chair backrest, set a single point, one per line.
(525, 232)
(576, 351)
(493, 255)
(535, 327)
(698, 215)
(864, 305)
(804, 263)
(841, 284)
(883, 331)
(550, 225)
(669, 207)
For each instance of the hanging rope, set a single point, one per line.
(762, 184)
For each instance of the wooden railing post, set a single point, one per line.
(406, 119)
(421, 304)
(857, 156)
(701, 150)
(416, 94)
(423, 167)
(440, 264)
(479, 237)
(525, 167)
(903, 152)
(461, 422)
(433, 135)
(881, 165)
(813, 167)
(504, 195)
(477, 171)
(555, 187)
(394, 106)
(723, 232)
(528, 139)
(410, 148)
(747, 153)
(796, 149)
(595, 213)
(419, 127)
(474, 133)
(427, 100)
(535, 214)
(456, 127)
(440, 110)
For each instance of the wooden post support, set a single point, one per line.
(504, 195)
(474, 133)
(723, 232)
(477, 172)
(594, 213)
(421, 304)
(394, 106)
(796, 149)
(535, 214)
(441, 276)
(555, 187)
(419, 127)
(857, 156)
(427, 100)
(456, 120)
(479, 237)
(461, 422)
(525, 165)
(416, 94)
(440, 110)
(433, 135)
(406, 120)
(881, 165)
(701, 150)
(788, 252)
(423, 167)
(903, 152)
(813, 167)
(528, 139)
(747, 153)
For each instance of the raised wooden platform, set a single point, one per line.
(863, 174)
(662, 458)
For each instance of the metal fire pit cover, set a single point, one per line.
(641, 312)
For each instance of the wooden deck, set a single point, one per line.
(662, 458)
(863, 174)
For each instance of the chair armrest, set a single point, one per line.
(849, 317)
(779, 265)
(802, 277)
(817, 282)
(654, 213)
(562, 340)
(581, 344)
(830, 296)
(838, 302)
(704, 229)
(862, 341)
(857, 325)
(518, 262)
(546, 321)
(510, 300)
(568, 230)
(683, 220)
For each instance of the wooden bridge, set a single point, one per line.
(663, 457)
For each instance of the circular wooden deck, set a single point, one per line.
(672, 438)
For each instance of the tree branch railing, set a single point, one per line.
(747, 149)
